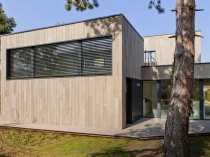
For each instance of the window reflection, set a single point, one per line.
(195, 101)
(150, 99)
(206, 90)
(166, 87)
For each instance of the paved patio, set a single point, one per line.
(144, 128)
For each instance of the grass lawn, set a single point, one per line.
(26, 143)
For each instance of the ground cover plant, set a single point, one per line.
(28, 143)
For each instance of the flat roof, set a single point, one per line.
(75, 23)
(64, 24)
(165, 65)
(165, 34)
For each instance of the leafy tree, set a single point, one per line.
(176, 143)
(81, 5)
(6, 24)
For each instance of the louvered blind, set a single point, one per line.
(75, 58)
(97, 56)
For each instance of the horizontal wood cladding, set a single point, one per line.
(201, 71)
(83, 102)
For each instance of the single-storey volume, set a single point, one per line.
(73, 74)
(98, 74)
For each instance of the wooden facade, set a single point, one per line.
(85, 102)
(79, 102)
(133, 59)
(163, 72)
(164, 48)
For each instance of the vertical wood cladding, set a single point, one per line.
(84, 101)
(132, 59)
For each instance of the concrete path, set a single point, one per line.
(144, 128)
(154, 127)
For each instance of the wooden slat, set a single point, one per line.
(132, 60)
(89, 102)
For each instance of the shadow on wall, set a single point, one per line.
(156, 72)
(111, 25)
(201, 70)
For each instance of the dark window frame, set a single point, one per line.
(58, 75)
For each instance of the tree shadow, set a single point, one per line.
(119, 151)
(163, 72)
(104, 26)
(200, 146)
(156, 72)
(150, 130)
(200, 139)
(4, 155)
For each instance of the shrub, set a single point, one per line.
(207, 95)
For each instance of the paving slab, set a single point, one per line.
(143, 128)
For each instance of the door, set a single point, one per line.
(128, 101)
(134, 100)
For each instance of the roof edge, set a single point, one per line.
(165, 34)
(36, 29)
(132, 26)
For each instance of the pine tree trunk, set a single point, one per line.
(176, 142)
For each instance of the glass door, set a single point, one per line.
(206, 94)
(166, 87)
(150, 99)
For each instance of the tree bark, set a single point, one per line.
(176, 142)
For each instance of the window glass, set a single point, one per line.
(195, 101)
(150, 99)
(166, 87)
(206, 90)
(75, 58)
(149, 58)
(96, 55)
(58, 59)
(20, 64)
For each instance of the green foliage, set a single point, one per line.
(207, 95)
(28, 143)
(6, 24)
(157, 5)
(191, 109)
(81, 5)
(16, 138)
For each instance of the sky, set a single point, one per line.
(33, 14)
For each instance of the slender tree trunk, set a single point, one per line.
(176, 142)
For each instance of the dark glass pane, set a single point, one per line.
(97, 56)
(20, 63)
(76, 58)
(166, 87)
(150, 99)
(206, 90)
(58, 59)
(195, 100)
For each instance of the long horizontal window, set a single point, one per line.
(75, 58)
